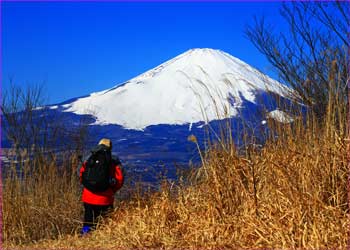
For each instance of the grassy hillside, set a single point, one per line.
(291, 193)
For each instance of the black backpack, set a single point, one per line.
(96, 175)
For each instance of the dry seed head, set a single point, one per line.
(192, 138)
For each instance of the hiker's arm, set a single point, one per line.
(81, 171)
(118, 175)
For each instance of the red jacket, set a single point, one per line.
(105, 197)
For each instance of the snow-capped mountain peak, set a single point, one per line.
(198, 85)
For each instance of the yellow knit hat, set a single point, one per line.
(106, 142)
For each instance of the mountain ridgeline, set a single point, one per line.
(150, 117)
(198, 85)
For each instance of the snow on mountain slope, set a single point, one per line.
(198, 85)
(280, 116)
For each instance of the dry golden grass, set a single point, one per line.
(40, 204)
(290, 194)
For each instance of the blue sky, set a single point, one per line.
(76, 48)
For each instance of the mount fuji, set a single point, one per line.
(150, 117)
(198, 85)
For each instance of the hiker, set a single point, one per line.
(101, 176)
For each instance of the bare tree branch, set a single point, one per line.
(304, 55)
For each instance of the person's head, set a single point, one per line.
(106, 142)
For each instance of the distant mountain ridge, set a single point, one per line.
(198, 85)
(150, 117)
